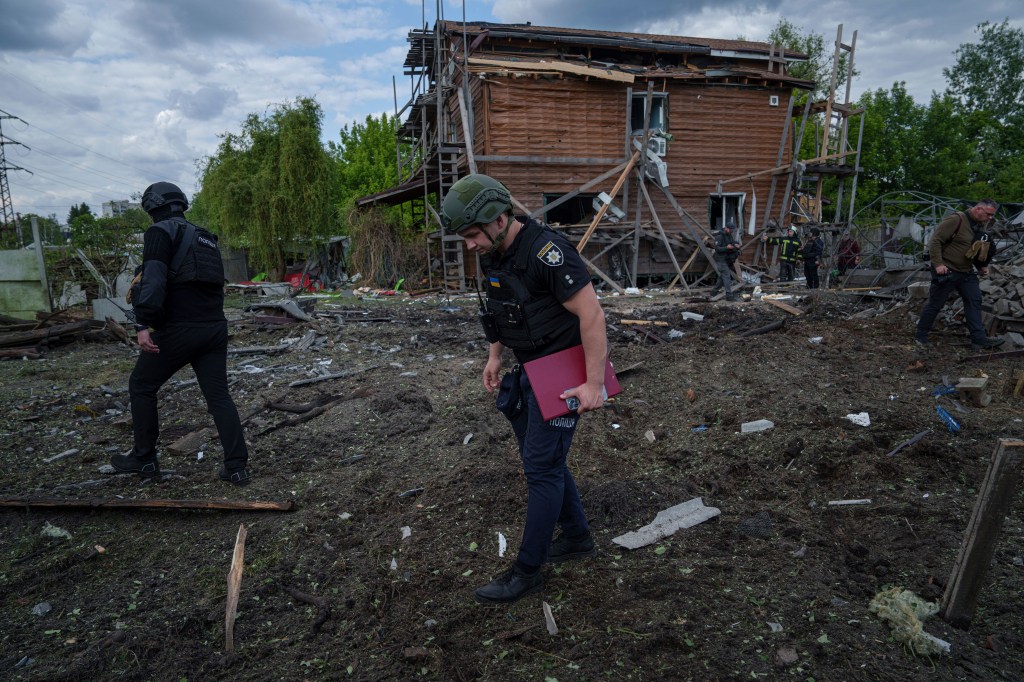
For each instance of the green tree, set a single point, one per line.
(987, 83)
(818, 67)
(892, 142)
(989, 75)
(366, 157)
(272, 187)
(81, 209)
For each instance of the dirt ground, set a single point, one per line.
(776, 587)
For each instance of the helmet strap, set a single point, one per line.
(498, 239)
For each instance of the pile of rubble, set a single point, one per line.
(29, 338)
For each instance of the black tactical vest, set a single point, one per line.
(525, 320)
(201, 261)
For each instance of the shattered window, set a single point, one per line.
(659, 112)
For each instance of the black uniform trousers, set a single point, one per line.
(553, 499)
(205, 348)
(811, 272)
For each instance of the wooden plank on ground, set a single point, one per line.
(1000, 486)
(59, 503)
(783, 306)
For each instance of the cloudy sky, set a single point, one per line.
(111, 95)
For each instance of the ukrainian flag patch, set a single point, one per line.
(494, 282)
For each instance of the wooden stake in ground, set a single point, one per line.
(234, 586)
(997, 492)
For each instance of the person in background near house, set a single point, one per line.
(848, 254)
(812, 251)
(539, 301)
(789, 250)
(958, 247)
(726, 251)
(178, 298)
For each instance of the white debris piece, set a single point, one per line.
(649, 435)
(469, 437)
(759, 425)
(406, 532)
(860, 419)
(549, 619)
(502, 545)
(66, 453)
(394, 564)
(696, 317)
(667, 522)
(55, 532)
(848, 503)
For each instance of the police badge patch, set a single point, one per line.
(550, 255)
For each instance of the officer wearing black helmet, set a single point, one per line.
(178, 299)
(539, 301)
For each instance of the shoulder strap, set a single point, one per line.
(959, 224)
(186, 241)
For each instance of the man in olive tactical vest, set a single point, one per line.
(539, 300)
(178, 299)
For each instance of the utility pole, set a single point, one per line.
(6, 206)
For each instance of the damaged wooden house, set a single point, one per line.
(637, 146)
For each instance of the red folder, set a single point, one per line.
(552, 375)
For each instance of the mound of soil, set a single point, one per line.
(405, 482)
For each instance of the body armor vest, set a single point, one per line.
(200, 260)
(523, 320)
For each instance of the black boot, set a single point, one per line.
(235, 476)
(564, 548)
(130, 464)
(510, 586)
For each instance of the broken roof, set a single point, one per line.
(618, 39)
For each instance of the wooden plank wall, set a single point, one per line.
(719, 132)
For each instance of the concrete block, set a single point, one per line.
(102, 308)
(918, 289)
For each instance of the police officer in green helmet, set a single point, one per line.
(539, 300)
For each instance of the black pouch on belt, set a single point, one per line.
(510, 396)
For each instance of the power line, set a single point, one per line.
(6, 205)
(147, 173)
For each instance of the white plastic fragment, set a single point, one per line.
(406, 532)
(469, 437)
(696, 317)
(848, 503)
(816, 339)
(860, 418)
(66, 453)
(759, 425)
(549, 619)
(55, 532)
(502, 545)
(667, 522)
(633, 291)
(776, 627)
(649, 435)
(394, 564)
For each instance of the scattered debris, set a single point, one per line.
(757, 526)
(860, 418)
(42, 608)
(67, 453)
(549, 619)
(848, 503)
(755, 426)
(51, 531)
(52, 503)
(903, 611)
(667, 522)
(910, 441)
(234, 587)
(951, 424)
(973, 388)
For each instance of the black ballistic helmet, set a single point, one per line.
(163, 194)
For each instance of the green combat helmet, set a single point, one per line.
(476, 199)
